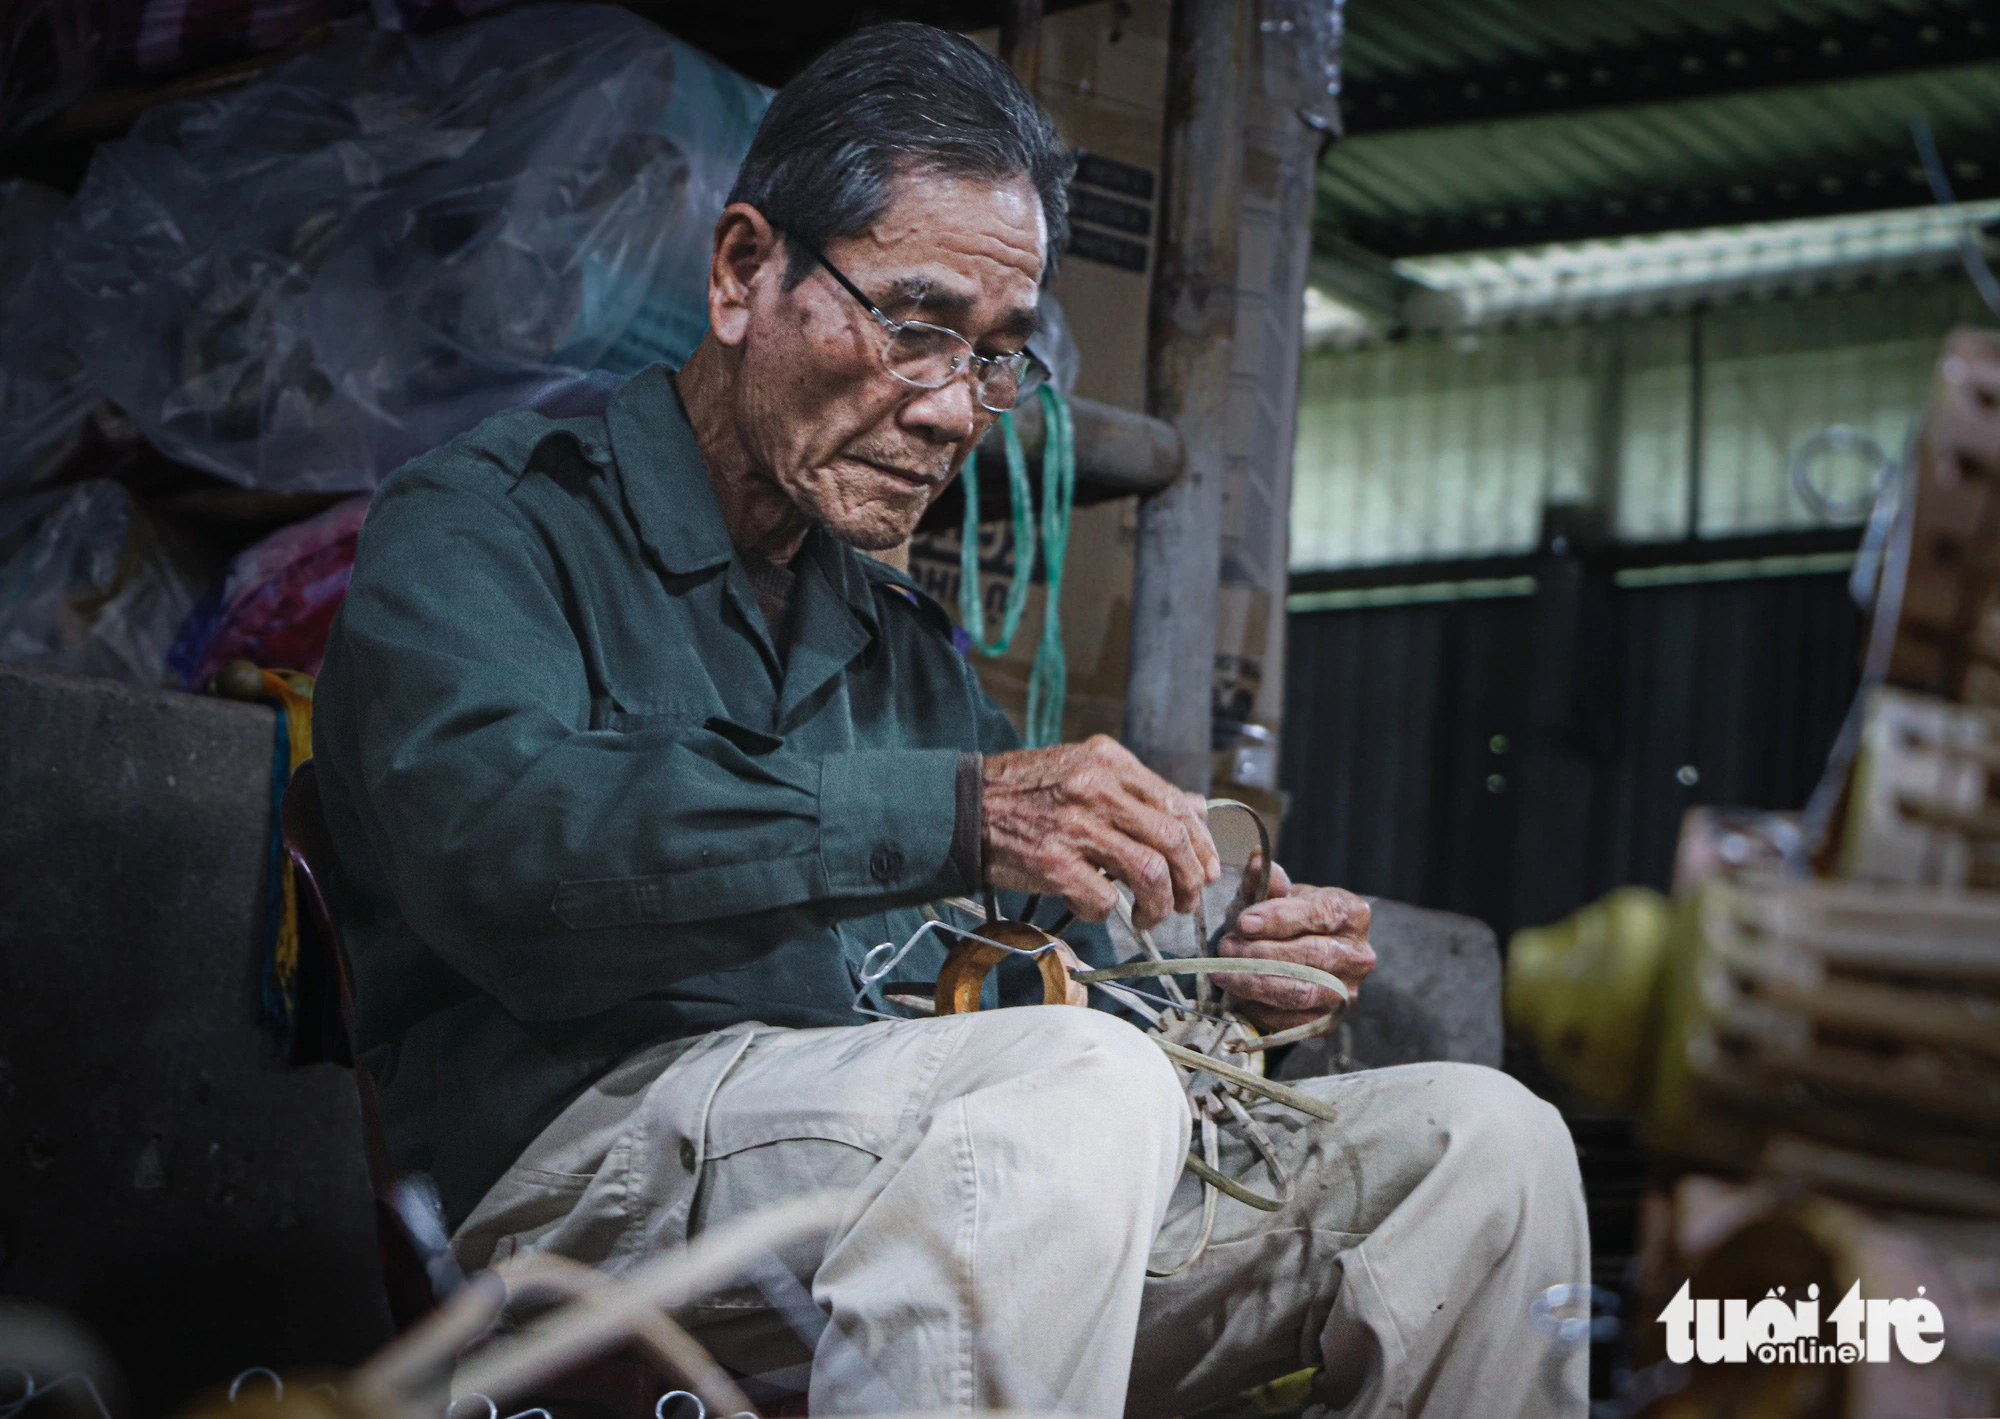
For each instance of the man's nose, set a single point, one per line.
(947, 414)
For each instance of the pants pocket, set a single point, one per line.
(524, 1207)
(609, 1183)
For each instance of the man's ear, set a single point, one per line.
(747, 246)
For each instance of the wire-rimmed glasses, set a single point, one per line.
(928, 356)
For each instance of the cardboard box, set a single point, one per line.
(1096, 613)
(1103, 80)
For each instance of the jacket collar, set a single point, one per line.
(835, 620)
(673, 506)
(666, 485)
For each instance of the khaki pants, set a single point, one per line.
(1013, 1171)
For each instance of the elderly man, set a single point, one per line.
(630, 754)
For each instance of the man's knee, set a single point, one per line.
(1111, 1059)
(1104, 1079)
(1509, 1141)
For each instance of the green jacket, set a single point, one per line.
(582, 803)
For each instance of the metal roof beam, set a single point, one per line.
(1362, 279)
(1738, 201)
(1786, 55)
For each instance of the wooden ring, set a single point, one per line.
(968, 962)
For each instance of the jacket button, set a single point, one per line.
(687, 1154)
(885, 863)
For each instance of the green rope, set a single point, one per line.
(970, 609)
(1048, 682)
(1048, 685)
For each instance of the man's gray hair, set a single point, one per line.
(891, 98)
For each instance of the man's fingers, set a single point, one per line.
(1094, 805)
(1190, 809)
(1276, 884)
(1110, 787)
(1349, 960)
(1172, 839)
(1146, 871)
(1321, 911)
(1088, 893)
(1193, 808)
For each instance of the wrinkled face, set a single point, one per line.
(858, 450)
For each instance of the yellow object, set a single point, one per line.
(1586, 991)
(293, 693)
(1285, 1392)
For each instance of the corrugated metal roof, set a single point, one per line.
(1389, 39)
(1637, 275)
(1842, 145)
(1559, 167)
(1633, 274)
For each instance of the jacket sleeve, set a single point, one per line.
(454, 715)
(997, 734)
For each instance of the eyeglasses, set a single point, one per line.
(930, 356)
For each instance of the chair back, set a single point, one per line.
(324, 1031)
(417, 1265)
(325, 1018)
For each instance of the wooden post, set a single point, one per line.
(1289, 116)
(1021, 41)
(1169, 700)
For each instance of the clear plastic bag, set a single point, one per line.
(45, 395)
(305, 283)
(89, 585)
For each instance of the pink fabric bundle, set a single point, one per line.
(275, 605)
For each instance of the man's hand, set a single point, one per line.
(1325, 927)
(1058, 819)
